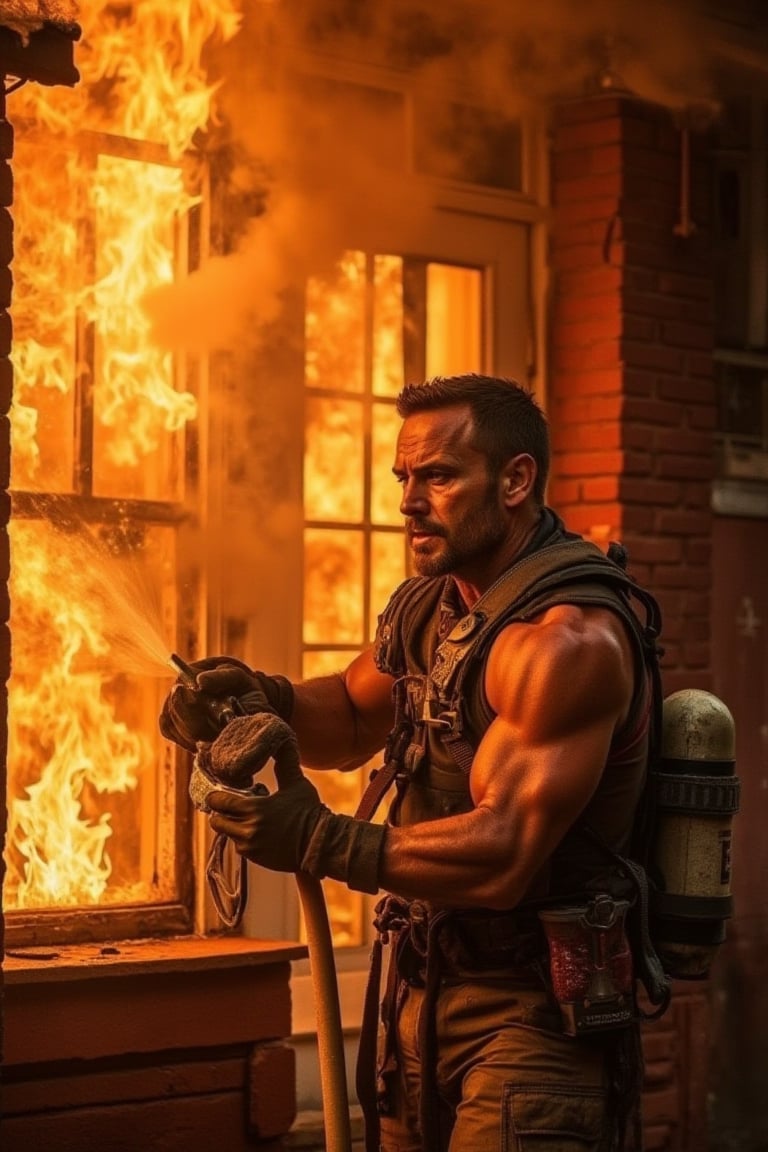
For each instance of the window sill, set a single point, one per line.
(177, 954)
(96, 1001)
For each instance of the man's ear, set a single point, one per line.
(518, 479)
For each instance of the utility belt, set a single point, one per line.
(429, 945)
(578, 952)
(459, 942)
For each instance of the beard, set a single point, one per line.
(453, 551)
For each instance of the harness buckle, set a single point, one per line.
(444, 720)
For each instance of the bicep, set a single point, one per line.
(539, 787)
(558, 694)
(342, 719)
(370, 695)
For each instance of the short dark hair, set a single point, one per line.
(506, 417)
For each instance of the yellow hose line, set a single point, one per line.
(330, 1039)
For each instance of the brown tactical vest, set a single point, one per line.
(439, 666)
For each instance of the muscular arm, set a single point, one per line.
(559, 687)
(341, 720)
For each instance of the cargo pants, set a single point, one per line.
(505, 1077)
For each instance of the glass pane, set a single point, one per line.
(45, 271)
(387, 325)
(742, 402)
(333, 460)
(90, 821)
(335, 327)
(387, 570)
(326, 663)
(345, 915)
(454, 320)
(137, 410)
(385, 491)
(333, 586)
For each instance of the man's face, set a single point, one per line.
(455, 518)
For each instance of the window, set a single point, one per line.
(741, 313)
(98, 828)
(384, 317)
(110, 452)
(121, 454)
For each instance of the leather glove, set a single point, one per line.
(290, 830)
(186, 716)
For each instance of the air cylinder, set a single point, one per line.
(696, 795)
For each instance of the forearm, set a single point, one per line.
(330, 733)
(460, 861)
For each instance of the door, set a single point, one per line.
(740, 679)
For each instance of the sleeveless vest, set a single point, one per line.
(439, 662)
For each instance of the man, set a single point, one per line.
(516, 794)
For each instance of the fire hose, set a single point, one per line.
(230, 904)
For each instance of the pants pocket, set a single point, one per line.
(553, 1118)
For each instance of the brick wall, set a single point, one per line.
(632, 412)
(632, 394)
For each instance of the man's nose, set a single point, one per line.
(413, 500)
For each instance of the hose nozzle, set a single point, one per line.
(221, 711)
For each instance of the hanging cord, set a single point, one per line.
(229, 897)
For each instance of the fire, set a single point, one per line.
(105, 176)
(66, 746)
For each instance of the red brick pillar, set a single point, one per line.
(632, 412)
(6, 386)
(632, 395)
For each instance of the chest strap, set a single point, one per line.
(569, 572)
(382, 779)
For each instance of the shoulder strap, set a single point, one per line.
(523, 591)
(569, 572)
(403, 608)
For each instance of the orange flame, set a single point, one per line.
(112, 158)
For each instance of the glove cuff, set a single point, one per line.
(276, 690)
(283, 702)
(346, 849)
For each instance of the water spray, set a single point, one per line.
(220, 711)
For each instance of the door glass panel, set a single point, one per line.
(335, 327)
(454, 320)
(333, 586)
(359, 324)
(387, 571)
(385, 493)
(333, 460)
(387, 335)
(317, 662)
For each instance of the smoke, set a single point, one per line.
(305, 167)
(513, 56)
